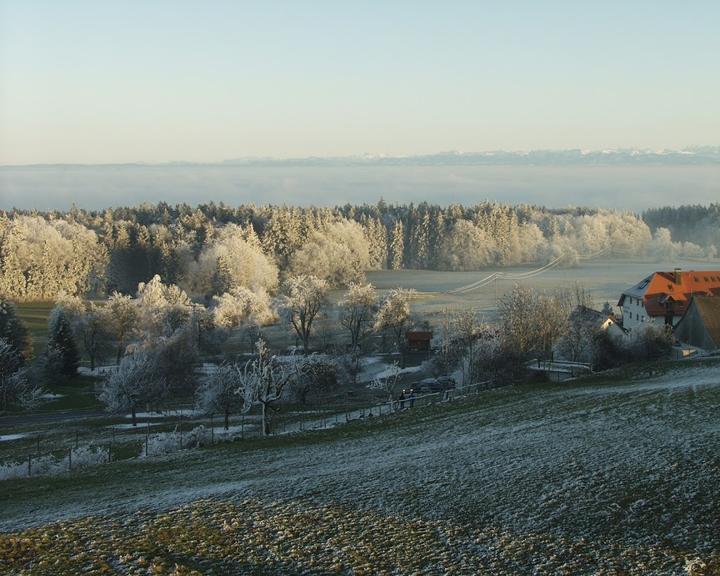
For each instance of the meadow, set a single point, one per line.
(612, 475)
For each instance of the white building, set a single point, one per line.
(663, 297)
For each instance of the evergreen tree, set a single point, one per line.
(14, 331)
(397, 245)
(61, 344)
(222, 277)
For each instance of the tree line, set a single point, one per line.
(210, 249)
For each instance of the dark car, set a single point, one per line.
(434, 385)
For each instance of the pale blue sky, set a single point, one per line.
(102, 81)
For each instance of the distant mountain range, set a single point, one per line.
(686, 156)
(697, 155)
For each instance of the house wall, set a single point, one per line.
(634, 314)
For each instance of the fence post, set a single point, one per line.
(109, 452)
(70, 459)
(242, 427)
(180, 428)
(147, 436)
(29, 465)
(212, 430)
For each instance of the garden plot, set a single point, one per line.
(552, 479)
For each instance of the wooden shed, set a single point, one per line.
(419, 340)
(700, 325)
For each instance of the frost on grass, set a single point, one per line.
(528, 480)
(254, 536)
(48, 465)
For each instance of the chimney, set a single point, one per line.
(677, 275)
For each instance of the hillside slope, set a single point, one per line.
(587, 477)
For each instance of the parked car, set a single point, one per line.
(434, 385)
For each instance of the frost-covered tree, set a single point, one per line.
(394, 314)
(338, 254)
(234, 258)
(262, 382)
(41, 257)
(153, 372)
(242, 306)
(357, 311)
(314, 375)
(122, 316)
(61, 345)
(130, 386)
(466, 247)
(218, 393)
(396, 250)
(376, 234)
(162, 308)
(300, 303)
(388, 383)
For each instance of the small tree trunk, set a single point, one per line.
(306, 341)
(227, 419)
(92, 362)
(265, 423)
(119, 353)
(134, 418)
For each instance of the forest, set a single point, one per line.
(212, 248)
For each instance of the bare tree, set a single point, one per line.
(357, 311)
(122, 318)
(388, 384)
(262, 382)
(218, 392)
(92, 331)
(302, 299)
(394, 314)
(466, 330)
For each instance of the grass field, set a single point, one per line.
(604, 279)
(613, 475)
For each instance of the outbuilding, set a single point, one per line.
(700, 325)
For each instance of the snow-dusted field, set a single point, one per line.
(606, 478)
(604, 278)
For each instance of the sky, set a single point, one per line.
(138, 81)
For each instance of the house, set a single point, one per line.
(700, 325)
(583, 324)
(663, 297)
(419, 340)
(592, 320)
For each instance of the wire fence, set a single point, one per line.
(54, 454)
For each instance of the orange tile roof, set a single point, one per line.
(701, 282)
(661, 289)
